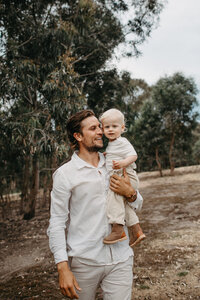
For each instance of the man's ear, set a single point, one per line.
(77, 136)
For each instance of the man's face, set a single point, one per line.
(91, 136)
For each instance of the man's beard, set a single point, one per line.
(93, 148)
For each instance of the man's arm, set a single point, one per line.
(56, 231)
(123, 187)
(67, 281)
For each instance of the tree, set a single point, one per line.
(163, 130)
(139, 19)
(148, 137)
(175, 99)
(53, 58)
(196, 145)
(38, 85)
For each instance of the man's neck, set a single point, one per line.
(91, 158)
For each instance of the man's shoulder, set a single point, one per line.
(65, 167)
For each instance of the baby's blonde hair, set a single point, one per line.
(113, 112)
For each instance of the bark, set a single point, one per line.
(30, 209)
(158, 162)
(5, 206)
(25, 185)
(171, 162)
(54, 165)
(45, 190)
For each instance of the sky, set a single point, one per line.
(173, 47)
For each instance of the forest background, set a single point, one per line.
(54, 62)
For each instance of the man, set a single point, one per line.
(78, 199)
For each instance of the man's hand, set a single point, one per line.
(67, 281)
(122, 185)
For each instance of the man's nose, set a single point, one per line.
(100, 131)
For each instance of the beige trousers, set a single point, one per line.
(119, 211)
(115, 280)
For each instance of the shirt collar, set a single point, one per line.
(80, 163)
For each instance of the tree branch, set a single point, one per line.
(84, 57)
(24, 43)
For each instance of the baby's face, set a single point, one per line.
(112, 128)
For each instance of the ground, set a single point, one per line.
(166, 264)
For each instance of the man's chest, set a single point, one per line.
(92, 180)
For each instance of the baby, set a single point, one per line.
(120, 154)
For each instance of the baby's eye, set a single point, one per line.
(115, 126)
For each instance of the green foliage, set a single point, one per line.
(166, 122)
(148, 136)
(183, 273)
(39, 84)
(53, 55)
(144, 287)
(175, 98)
(52, 64)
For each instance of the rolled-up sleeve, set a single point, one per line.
(137, 204)
(60, 196)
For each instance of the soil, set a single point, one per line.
(166, 264)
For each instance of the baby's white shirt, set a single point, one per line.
(119, 149)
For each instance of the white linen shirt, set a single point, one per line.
(78, 202)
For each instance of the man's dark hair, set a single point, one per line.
(74, 125)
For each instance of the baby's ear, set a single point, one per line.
(123, 128)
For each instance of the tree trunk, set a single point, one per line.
(25, 184)
(171, 162)
(30, 210)
(54, 165)
(45, 190)
(158, 163)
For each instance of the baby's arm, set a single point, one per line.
(124, 162)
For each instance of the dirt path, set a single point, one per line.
(167, 263)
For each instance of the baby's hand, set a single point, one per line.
(118, 164)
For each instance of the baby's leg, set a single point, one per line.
(132, 221)
(116, 217)
(133, 178)
(115, 208)
(130, 214)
